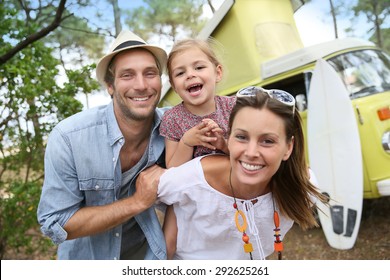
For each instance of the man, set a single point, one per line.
(89, 203)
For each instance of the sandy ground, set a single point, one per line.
(373, 242)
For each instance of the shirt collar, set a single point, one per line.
(114, 132)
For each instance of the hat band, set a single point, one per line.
(128, 44)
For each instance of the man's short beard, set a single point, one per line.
(129, 113)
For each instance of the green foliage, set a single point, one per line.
(19, 229)
(167, 18)
(75, 36)
(386, 39)
(35, 103)
(376, 13)
(34, 96)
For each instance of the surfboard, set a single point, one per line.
(335, 156)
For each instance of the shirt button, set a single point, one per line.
(117, 234)
(97, 187)
(115, 258)
(113, 159)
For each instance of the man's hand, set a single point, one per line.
(147, 185)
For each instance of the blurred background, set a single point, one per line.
(48, 51)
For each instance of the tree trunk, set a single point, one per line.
(377, 24)
(333, 12)
(117, 17)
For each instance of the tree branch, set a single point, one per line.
(38, 35)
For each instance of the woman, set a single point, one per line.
(241, 206)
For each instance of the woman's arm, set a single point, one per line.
(170, 231)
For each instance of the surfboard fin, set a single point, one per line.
(351, 221)
(337, 215)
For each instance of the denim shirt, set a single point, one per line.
(82, 168)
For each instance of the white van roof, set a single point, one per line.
(308, 55)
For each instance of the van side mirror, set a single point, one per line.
(301, 102)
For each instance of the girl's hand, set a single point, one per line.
(216, 132)
(201, 135)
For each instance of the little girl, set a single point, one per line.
(199, 124)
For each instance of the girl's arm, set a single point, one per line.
(177, 153)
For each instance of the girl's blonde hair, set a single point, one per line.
(208, 47)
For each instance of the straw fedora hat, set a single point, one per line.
(128, 40)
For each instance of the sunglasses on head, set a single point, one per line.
(280, 95)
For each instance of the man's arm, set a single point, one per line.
(95, 219)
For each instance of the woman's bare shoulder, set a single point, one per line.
(215, 162)
(216, 170)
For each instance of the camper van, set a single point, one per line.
(365, 71)
(263, 48)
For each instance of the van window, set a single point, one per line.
(297, 85)
(364, 72)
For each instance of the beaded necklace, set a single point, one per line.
(248, 247)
